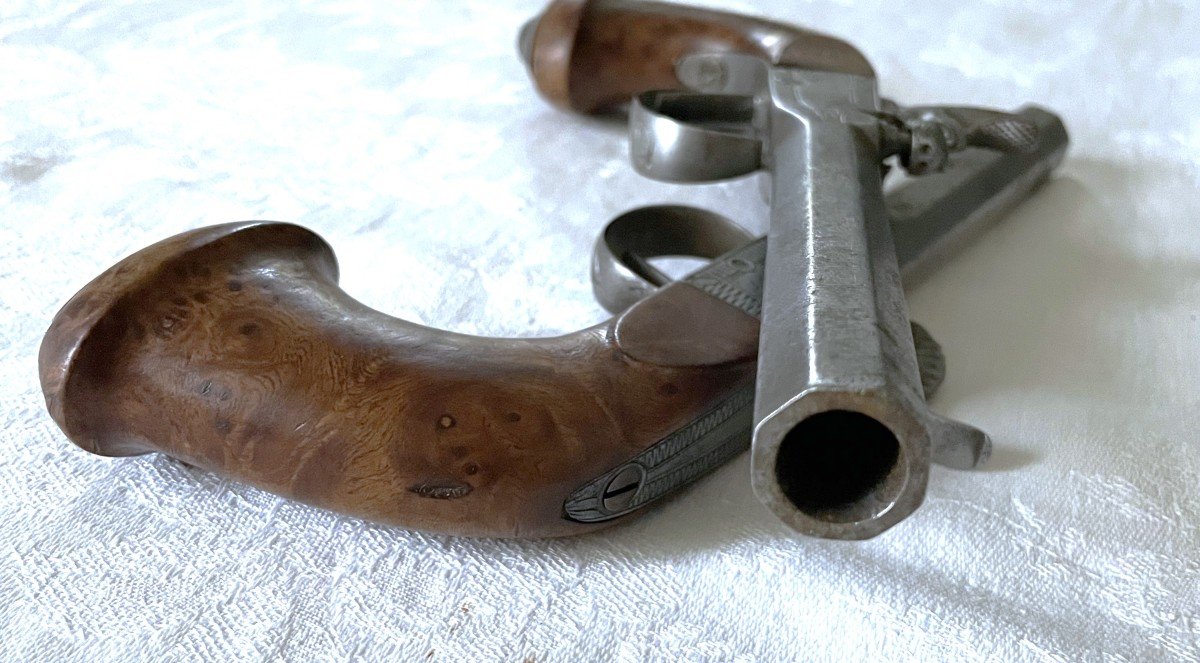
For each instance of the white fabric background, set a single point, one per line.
(407, 135)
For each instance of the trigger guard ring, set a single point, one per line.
(621, 272)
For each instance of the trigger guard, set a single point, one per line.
(621, 272)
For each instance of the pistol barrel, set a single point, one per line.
(841, 447)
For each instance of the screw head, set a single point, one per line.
(703, 73)
(624, 487)
(929, 151)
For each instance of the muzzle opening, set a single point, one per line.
(839, 466)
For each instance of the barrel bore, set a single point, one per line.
(840, 466)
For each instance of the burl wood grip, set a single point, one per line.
(233, 349)
(588, 55)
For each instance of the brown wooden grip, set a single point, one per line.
(233, 349)
(588, 55)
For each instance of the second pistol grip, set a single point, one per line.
(591, 55)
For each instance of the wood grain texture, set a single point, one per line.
(590, 55)
(233, 349)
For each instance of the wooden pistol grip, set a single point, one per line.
(589, 55)
(233, 349)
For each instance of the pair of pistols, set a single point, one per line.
(232, 347)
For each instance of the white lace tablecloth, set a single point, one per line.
(407, 135)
